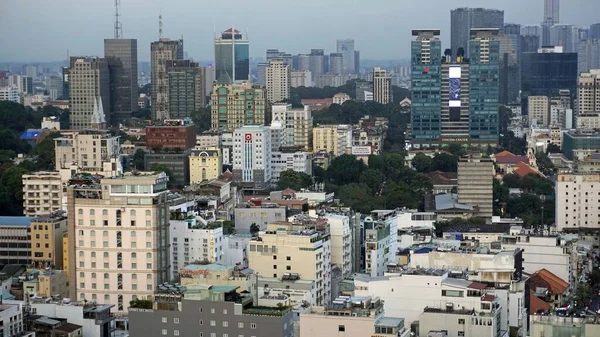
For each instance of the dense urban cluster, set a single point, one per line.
(456, 193)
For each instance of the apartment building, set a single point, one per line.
(290, 159)
(463, 322)
(205, 164)
(297, 125)
(284, 252)
(15, 247)
(278, 81)
(107, 217)
(539, 110)
(43, 193)
(252, 157)
(377, 251)
(91, 151)
(209, 311)
(236, 105)
(590, 120)
(11, 320)
(89, 87)
(382, 86)
(588, 92)
(192, 241)
(351, 317)
(341, 242)
(475, 182)
(332, 139)
(47, 241)
(300, 78)
(577, 199)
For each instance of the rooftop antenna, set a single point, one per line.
(118, 27)
(160, 33)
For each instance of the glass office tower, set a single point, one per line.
(232, 56)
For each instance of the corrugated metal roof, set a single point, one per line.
(17, 221)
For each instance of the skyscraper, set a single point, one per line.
(484, 85)
(232, 56)
(594, 32)
(465, 19)
(454, 121)
(382, 86)
(121, 55)
(89, 82)
(336, 63)
(588, 55)
(186, 88)
(546, 72)
(588, 92)
(426, 52)
(317, 62)
(551, 18)
(162, 51)
(566, 36)
(235, 105)
(346, 48)
(510, 64)
(278, 81)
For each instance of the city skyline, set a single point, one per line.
(197, 26)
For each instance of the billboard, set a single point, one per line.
(361, 150)
(454, 93)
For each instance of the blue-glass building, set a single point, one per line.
(484, 86)
(232, 57)
(426, 65)
(546, 72)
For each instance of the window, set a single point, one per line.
(176, 332)
(176, 320)
(164, 332)
(104, 212)
(225, 324)
(461, 321)
(82, 275)
(241, 325)
(133, 276)
(164, 320)
(224, 311)
(289, 258)
(252, 325)
(148, 255)
(105, 255)
(200, 321)
(288, 267)
(341, 328)
(93, 254)
(133, 255)
(213, 323)
(201, 334)
(107, 297)
(212, 310)
(212, 334)
(461, 333)
(274, 257)
(274, 266)
(106, 276)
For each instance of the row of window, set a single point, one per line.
(105, 212)
(212, 334)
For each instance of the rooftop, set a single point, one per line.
(16, 221)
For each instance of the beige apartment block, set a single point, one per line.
(92, 151)
(278, 81)
(118, 238)
(89, 85)
(47, 241)
(43, 193)
(332, 139)
(382, 86)
(577, 200)
(588, 92)
(475, 184)
(539, 110)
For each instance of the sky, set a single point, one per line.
(42, 30)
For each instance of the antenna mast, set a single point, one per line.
(118, 27)
(160, 33)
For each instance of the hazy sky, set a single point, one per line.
(43, 30)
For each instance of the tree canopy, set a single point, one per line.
(294, 180)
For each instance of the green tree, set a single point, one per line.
(44, 152)
(138, 159)
(345, 169)
(552, 148)
(544, 163)
(254, 229)
(372, 178)
(319, 173)
(201, 118)
(294, 180)
(358, 197)
(421, 163)
(444, 162)
(583, 295)
(11, 191)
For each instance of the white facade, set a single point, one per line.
(300, 78)
(588, 120)
(73, 314)
(577, 200)
(11, 320)
(190, 244)
(379, 246)
(43, 193)
(236, 250)
(90, 151)
(120, 248)
(340, 98)
(10, 93)
(252, 153)
(407, 295)
(50, 123)
(278, 81)
(341, 242)
(296, 161)
(382, 86)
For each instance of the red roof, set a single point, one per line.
(288, 192)
(506, 157)
(477, 285)
(488, 298)
(523, 169)
(545, 279)
(537, 305)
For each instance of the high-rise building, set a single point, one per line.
(303, 62)
(336, 63)
(546, 72)
(426, 64)
(484, 85)
(275, 54)
(454, 123)
(346, 48)
(529, 43)
(47, 240)
(118, 238)
(588, 92)
(236, 105)
(261, 73)
(594, 32)
(278, 81)
(65, 81)
(510, 64)
(121, 55)
(93, 151)
(296, 124)
(465, 19)
(185, 81)
(43, 193)
(382, 86)
(232, 56)
(30, 70)
(89, 85)
(475, 184)
(551, 18)
(332, 139)
(252, 157)
(317, 64)
(539, 110)
(588, 55)
(162, 51)
(26, 85)
(566, 36)
(357, 61)
(10, 93)
(54, 86)
(577, 209)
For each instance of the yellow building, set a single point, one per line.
(46, 283)
(333, 139)
(65, 245)
(47, 241)
(205, 164)
(290, 254)
(236, 105)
